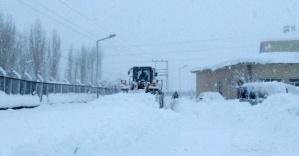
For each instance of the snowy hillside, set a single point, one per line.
(132, 124)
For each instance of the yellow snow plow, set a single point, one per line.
(143, 79)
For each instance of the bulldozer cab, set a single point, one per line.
(145, 74)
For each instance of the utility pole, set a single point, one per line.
(180, 76)
(163, 71)
(97, 46)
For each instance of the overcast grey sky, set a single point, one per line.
(190, 32)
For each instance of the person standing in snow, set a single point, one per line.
(175, 95)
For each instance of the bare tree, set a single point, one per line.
(244, 75)
(37, 45)
(49, 61)
(92, 65)
(31, 53)
(83, 65)
(77, 68)
(69, 73)
(7, 42)
(24, 62)
(101, 56)
(56, 55)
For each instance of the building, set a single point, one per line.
(277, 61)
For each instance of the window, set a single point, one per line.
(294, 82)
(144, 75)
(293, 28)
(270, 80)
(286, 29)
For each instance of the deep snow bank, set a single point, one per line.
(237, 128)
(10, 101)
(132, 124)
(69, 98)
(121, 124)
(281, 105)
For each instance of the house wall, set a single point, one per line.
(278, 71)
(226, 79)
(280, 46)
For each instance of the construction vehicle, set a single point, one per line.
(143, 79)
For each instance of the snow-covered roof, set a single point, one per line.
(261, 58)
(283, 37)
(2, 71)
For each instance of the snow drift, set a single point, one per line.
(13, 101)
(133, 124)
(10, 101)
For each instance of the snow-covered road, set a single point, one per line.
(132, 124)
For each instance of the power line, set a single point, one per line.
(55, 20)
(182, 42)
(142, 45)
(65, 19)
(93, 22)
(87, 18)
(155, 44)
(64, 57)
(188, 51)
(79, 13)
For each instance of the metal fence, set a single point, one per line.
(24, 87)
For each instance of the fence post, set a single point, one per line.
(47, 89)
(19, 91)
(25, 83)
(10, 86)
(29, 83)
(4, 85)
(41, 91)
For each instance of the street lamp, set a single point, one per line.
(97, 43)
(180, 75)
